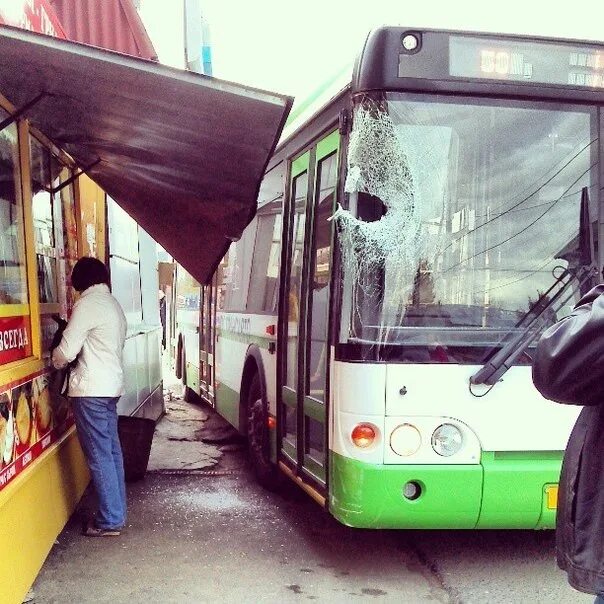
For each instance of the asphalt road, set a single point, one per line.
(202, 531)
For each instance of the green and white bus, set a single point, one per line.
(417, 228)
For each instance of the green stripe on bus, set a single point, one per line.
(289, 396)
(233, 336)
(314, 409)
(227, 404)
(316, 94)
(300, 165)
(328, 145)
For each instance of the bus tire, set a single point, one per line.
(189, 395)
(183, 367)
(258, 438)
(179, 356)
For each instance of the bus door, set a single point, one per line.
(304, 347)
(188, 293)
(207, 340)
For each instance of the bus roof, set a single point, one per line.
(447, 61)
(306, 108)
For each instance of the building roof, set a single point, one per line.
(112, 24)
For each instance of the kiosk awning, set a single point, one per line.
(182, 153)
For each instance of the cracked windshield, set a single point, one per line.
(461, 216)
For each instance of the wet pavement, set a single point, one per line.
(200, 530)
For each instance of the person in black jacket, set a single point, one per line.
(569, 368)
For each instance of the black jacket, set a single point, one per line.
(569, 368)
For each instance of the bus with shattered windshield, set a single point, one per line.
(372, 330)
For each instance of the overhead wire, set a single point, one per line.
(528, 226)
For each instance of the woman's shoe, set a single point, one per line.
(91, 530)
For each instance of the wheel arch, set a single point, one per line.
(253, 364)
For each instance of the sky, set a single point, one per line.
(291, 48)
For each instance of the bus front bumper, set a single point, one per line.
(514, 491)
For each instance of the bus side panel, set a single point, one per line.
(269, 359)
(227, 404)
(235, 333)
(232, 342)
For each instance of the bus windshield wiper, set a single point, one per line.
(535, 320)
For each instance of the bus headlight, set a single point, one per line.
(405, 440)
(447, 440)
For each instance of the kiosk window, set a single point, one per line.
(13, 284)
(43, 165)
(15, 326)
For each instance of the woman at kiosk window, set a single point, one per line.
(95, 336)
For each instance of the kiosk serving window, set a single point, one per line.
(15, 328)
(55, 236)
(43, 164)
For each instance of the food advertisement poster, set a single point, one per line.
(30, 421)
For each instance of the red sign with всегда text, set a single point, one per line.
(15, 338)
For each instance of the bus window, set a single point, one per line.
(265, 265)
(299, 195)
(321, 270)
(221, 281)
(240, 259)
(453, 267)
(187, 292)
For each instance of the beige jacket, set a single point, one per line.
(96, 332)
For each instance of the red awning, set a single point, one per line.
(112, 24)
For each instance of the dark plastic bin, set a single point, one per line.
(136, 436)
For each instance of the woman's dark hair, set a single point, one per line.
(88, 272)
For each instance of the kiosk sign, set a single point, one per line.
(15, 338)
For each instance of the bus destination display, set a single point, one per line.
(517, 61)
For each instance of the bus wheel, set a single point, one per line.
(258, 438)
(189, 395)
(178, 361)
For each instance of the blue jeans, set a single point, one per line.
(96, 422)
(599, 599)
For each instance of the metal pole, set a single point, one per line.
(198, 51)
